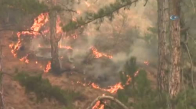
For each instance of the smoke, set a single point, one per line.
(141, 50)
(117, 38)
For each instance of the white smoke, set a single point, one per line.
(136, 17)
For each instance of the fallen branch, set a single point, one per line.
(107, 98)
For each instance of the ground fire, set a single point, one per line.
(34, 31)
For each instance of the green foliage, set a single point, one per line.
(107, 11)
(139, 90)
(25, 6)
(43, 89)
(192, 48)
(185, 99)
(144, 97)
(13, 13)
(152, 38)
(130, 69)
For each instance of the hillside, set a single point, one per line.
(28, 51)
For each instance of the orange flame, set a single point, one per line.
(113, 89)
(146, 62)
(66, 47)
(48, 67)
(58, 28)
(40, 21)
(24, 59)
(98, 105)
(98, 54)
(128, 80)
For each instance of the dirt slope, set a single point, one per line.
(14, 94)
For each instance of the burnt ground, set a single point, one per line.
(14, 94)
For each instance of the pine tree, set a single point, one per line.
(174, 81)
(55, 64)
(163, 20)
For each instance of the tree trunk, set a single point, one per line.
(162, 48)
(55, 64)
(174, 82)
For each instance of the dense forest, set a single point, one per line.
(91, 54)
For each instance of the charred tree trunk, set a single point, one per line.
(162, 78)
(55, 64)
(174, 82)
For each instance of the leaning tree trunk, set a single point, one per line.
(162, 48)
(174, 82)
(55, 64)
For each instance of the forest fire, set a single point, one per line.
(128, 80)
(48, 67)
(66, 47)
(146, 62)
(98, 54)
(98, 105)
(39, 22)
(24, 59)
(112, 90)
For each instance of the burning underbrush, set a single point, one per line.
(94, 69)
(32, 46)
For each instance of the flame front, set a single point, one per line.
(98, 54)
(39, 22)
(98, 105)
(48, 67)
(25, 59)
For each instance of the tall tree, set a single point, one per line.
(174, 80)
(162, 48)
(55, 64)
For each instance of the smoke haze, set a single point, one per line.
(118, 38)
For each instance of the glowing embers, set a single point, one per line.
(99, 54)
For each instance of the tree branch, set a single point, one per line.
(101, 16)
(68, 9)
(107, 98)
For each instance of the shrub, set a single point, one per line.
(144, 97)
(43, 89)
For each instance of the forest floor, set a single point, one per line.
(15, 96)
